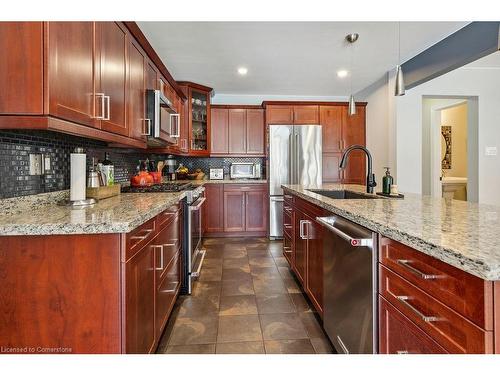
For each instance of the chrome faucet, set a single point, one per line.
(370, 178)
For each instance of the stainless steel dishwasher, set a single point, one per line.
(350, 280)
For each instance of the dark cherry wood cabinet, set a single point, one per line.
(305, 114)
(214, 208)
(220, 131)
(137, 72)
(237, 130)
(300, 246)
(111, 70)
(21, 42)
(71, 77)
(256, 201)
(279, 114)
(332, 119)
(353, 133)
(314, 263)
(331, 170)
(292, 114)
(234, 210)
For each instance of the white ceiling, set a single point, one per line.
(287, 58)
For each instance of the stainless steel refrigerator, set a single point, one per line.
(294, 159)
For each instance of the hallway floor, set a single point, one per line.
(245, 301)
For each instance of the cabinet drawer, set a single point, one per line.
(166, 293)
(287, 223)
(452, 331)
(287, 249)
(309, 208)
(139, 237)
(167, 244)
(398, 335)
(244, 187)
(168, 214)
(465, 293)
(288, 199)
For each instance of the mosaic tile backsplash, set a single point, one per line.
(15, 147)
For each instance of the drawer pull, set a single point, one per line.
(161, 256)
(287, 226)
(425, 318)
(287, 196)
(171, 290)
(288, 209)
(406, 264)
(140, 238)
(402, 352)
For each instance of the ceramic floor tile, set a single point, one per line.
(280, 303)
(269, 286)
(285, 273)
(303, 346)
(312, 324)
(197, 330)
(282, 327)
(256, 246)
(322, 345)
(281, 261)
(265, 272)
(235, 247)
(206, 288)
(236, 274)
(237, 287)
(239, 328)
(210, 274)
(191, 349)
(199, 306)
(236, 253)
(212, 262)
(262, 262)
(241, 263)
(253, 347)
(258, 254)
(301, 302)
(292, 286)
(238, 305)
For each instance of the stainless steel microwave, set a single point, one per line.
(245, 170)
(162, 122)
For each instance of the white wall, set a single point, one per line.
(484, 84)
(258, 99)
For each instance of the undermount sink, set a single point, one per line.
(342, 194)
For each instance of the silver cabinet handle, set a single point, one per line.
(197, 272)
(402, 352)
(198, 206)
(302, 235)
(147, 122)
(353, 241)
(140, 238)
(177, 126)
(425, 318)
(406, 264)
(100, 95)
(161, 256)
(108, 105)
(342, 345)
(170, 244)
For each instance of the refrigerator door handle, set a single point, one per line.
(277, 199)
(290, 159)
(297, 159)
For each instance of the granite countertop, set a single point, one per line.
(41, 215)
(225, 181)
(463, 234)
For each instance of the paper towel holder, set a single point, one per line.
(79, 203)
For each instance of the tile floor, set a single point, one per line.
(246, 301)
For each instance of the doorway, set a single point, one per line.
(450, 147)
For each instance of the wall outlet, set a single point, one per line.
(46, 162)
(36, 167)
(490, 151)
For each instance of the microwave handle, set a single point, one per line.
(177, 118)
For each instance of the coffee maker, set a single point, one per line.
(169, 169)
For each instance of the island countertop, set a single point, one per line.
(463, 234)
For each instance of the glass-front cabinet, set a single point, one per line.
(198, 118)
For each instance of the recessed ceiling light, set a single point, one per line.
(342, 73)
(242, 71)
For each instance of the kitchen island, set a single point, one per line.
(438, 266)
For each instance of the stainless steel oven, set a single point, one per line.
(193, 252)
(162, 123)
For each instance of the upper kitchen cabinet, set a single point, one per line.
(137, 73)
(111, 71)
(237, 130)
(198, 121)
(21, 42)
(292, 114)
(71, 76)
(339, 132)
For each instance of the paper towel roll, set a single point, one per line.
(78, 170)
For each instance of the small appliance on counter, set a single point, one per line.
(96, 187)
(77, 192)
(245, 171)
(216, 174)
(170, 166)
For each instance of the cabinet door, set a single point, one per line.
(331, 170)
(255, 132)
(353, 133)
(234, 211)
(137, 92)
(398, 335)
(256, 211)
(237, 131)
(166, 293)
(140, 301)
(305, 114)
(330, 118)
(199, 122)
(219, 123)
(21, 68)
(214, 208)
(279, 114)
(300, 246)
(71, 73)
(184, 122)
(314, 263)
(112, 43)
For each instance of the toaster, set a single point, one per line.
(216, 173)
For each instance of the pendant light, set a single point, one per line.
(351, 38)
(399, 89)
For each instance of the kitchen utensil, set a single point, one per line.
(93, 179)
(160, 166)
(143, 178)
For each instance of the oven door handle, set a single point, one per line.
(198, 205)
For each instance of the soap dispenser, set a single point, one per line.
(387, 181)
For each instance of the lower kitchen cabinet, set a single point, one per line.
(236, 210)
(314, 264)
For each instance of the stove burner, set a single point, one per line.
(157, 188)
